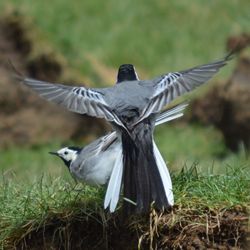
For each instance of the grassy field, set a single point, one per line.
(38, 195)
(156, 36)
(96, 37)
(27, 208)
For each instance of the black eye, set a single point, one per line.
(66, 152)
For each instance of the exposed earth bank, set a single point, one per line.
(26, 119)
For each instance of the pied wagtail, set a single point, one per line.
(94, 163)
(131, 106)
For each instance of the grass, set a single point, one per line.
(38, 190)
(25, 208)
(183, 144)
(27, 163)
(179, 144)
(32, 204)
(193, 189)
(156, 36)
(193, 143)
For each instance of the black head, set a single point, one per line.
(77, 149)
(126, 72)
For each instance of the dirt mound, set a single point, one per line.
(239, 41)
(26, 119)
(227, 106)
(179, 229)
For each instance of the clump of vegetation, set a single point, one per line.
(210, 210)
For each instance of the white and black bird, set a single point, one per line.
(131, 106)
(93, 164)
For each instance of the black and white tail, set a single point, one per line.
(145, 180)
(145, 174)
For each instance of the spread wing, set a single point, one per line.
(77, 99)
(169, 86)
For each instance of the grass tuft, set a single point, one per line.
(53, 204)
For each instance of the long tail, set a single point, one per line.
(146, 178)
(113, 190)
(165, 176)
(114, 185)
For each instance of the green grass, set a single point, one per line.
(32, 204)
(180, 145)
(193, 188)
(156, 36)
(193, 142)
(26, 163)
(26, 207)
(38, 187)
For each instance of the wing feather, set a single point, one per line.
(170, 86)
(76, 99)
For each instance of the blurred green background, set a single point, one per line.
(156, 36)
(95, 37)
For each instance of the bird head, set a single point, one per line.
(67, 154)
(126, 72)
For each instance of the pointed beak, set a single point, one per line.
(53, 153)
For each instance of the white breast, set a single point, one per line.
(96, 170)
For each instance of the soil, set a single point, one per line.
(226, 106)
(176, 229)
(26, 119)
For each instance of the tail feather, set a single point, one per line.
(116, 191)
(146, 188)
(144, 177)
(114, 186)
(130, 195)
(165, 176)
(171, 114)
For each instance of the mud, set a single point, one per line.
(26, 119)
(226, 106)
(176, 229)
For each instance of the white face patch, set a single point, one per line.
(67, 154)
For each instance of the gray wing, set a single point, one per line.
(105, 142)
(169, 86)
(96, 147)
(77, 99)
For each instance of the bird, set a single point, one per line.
(131, 106)
(93, 164)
